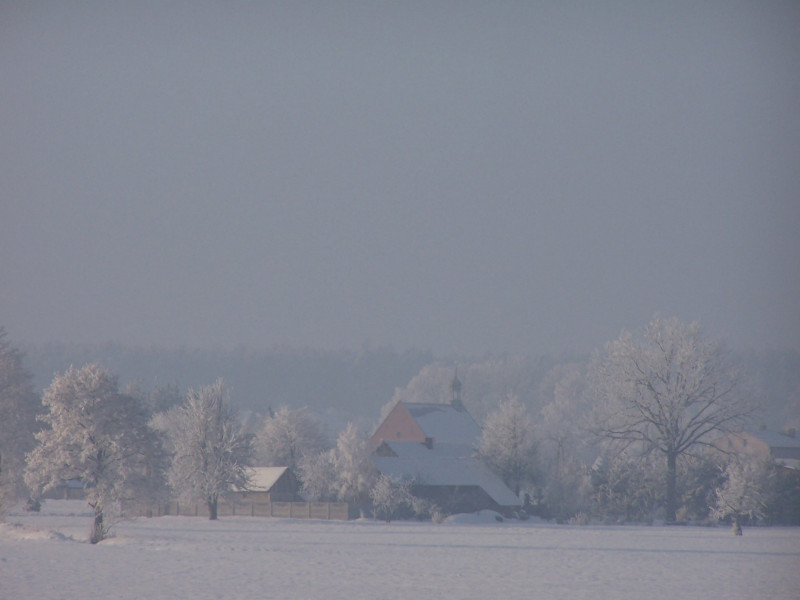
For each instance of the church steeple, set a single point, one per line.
(455, 388)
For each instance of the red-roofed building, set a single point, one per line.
(433, 446)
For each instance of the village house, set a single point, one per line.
(783, 448)
(270, 484)
(433, 446)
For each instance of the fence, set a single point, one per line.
(337, 511)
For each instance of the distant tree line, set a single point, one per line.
(353, 383)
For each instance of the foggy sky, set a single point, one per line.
(460, 177)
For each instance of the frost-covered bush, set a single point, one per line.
(626, 489)
(424, 509)
(566, 492)
(697, 480)
(580, 518)
(783, 505)
(389, 497)
(744, 492)
(438, 515)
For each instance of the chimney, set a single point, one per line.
(428, 443)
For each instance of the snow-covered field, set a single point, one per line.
(45, 556)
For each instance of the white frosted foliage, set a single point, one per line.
(508, 445)
(96, 435)
(211, 452)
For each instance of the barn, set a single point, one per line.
(433, 446)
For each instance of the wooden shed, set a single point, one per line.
(270, 484)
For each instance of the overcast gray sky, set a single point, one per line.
(461, 177)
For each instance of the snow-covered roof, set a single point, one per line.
(445, 422)
(263, 478)
(776, 439)
(419, 451)
(444, 464)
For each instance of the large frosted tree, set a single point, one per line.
(669, 390)
(95, 434)
(507, 443)
(212, 453)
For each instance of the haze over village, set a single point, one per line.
(422, 269)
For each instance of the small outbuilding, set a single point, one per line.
(270, 484)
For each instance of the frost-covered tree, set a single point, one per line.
(566, 450)
(288, 436)
(625, 488)
(96, 435)
(669, 391)
(508, 445)
(744, 492)
(388, 496)
(18, 407)
(354, 471)
(211, 452)
(318, 476)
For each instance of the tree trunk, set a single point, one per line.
(671, 501)
(98, 533)
(212, 509)
(737, 526)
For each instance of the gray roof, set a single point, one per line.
(445, 422)
(776, 439)
(263, 478)
(444, 464)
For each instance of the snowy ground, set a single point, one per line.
(45, 556)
